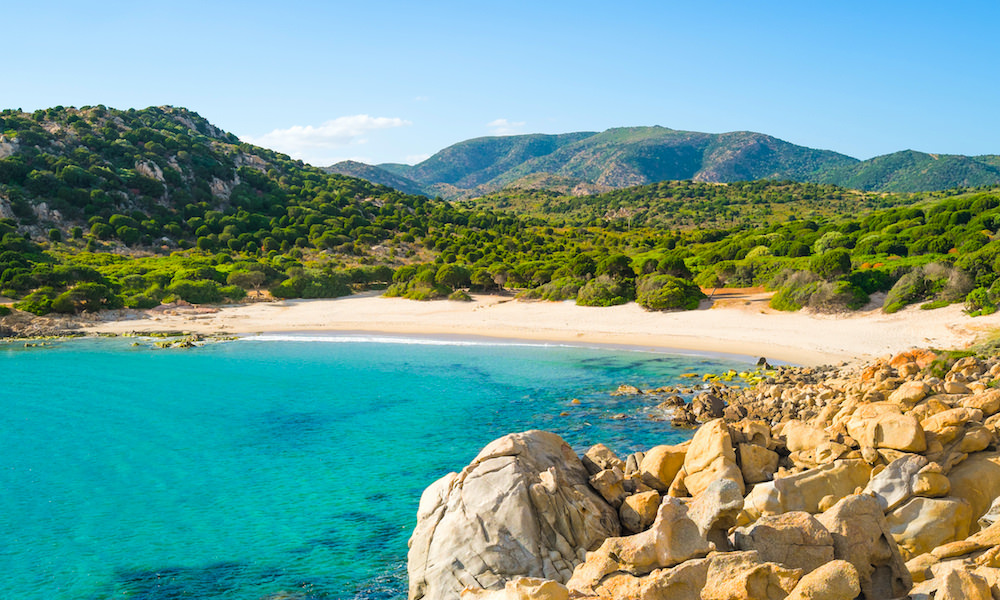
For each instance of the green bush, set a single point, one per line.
(5, 310)
(141, 301)
(203, 291)
(557, 290)
(38, 302)
(604, 290)
(934, 282)
(460, 296)
(908, 289)
(666, 292)
(979, 303)
(831, 264)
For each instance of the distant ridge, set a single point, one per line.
(630, 156)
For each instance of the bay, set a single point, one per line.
(275, 466)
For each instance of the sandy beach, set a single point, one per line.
(736, 322)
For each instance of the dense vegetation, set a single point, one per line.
(688, 205)
(101, 208)
(631, 156)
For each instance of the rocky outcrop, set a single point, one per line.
(872, 482)
(523, 507)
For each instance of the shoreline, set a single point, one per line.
(734, 325)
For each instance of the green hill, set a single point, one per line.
(910, 171)
(632, 156)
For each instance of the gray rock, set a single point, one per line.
(894, 485)
(523, 507)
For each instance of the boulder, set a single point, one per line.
(862, 537)
(947, 424)
(721, 575)
(977, 481)
(757, 463)
(857, 424)
(794, 539)
(639, 511)
(753, 432)
(715, 511)
(523, 507)
(836, 580)
(991, 516)
(599, 457)
(987, 401)
(707, 406)
(922, 524)
(959, 584)
(521, 588)
(610, 484)
(806, 491)
(910, 393)
(904, 478)
(709, 457)
(800, 436)
(660, 465)
(896, 431)
(673, 539)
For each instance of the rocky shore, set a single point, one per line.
(876, 481)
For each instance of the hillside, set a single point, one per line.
(377, 175)
(105, 208)
(633, 156)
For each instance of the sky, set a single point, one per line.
(381, 81)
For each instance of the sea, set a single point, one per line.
(277, 466)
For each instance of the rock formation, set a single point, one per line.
(523, 507)
(874, 482)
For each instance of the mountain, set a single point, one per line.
(631, 156)
(378, 175)
(911, 171)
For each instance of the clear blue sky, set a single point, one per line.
(384, 81)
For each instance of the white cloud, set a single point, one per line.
(319, 145)
(505, 127)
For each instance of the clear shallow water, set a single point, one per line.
(283, 467)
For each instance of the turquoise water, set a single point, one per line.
(284, 467)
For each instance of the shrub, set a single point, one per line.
(604, 290)
(557, 290)
(204, 291)
(831, 264)
(794, 290)
(978, 303)
(4, 310)
(460, 296)
(666, 292)
(38, 302)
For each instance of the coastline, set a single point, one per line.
(735, 325)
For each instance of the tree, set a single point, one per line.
(247, 280)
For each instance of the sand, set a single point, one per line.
(735, 322)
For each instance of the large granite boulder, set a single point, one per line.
(709, 457)
(793, 539)
(523, 507)
(922, 524)
(807, 491)
(862, 537)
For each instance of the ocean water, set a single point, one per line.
(273, 467)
